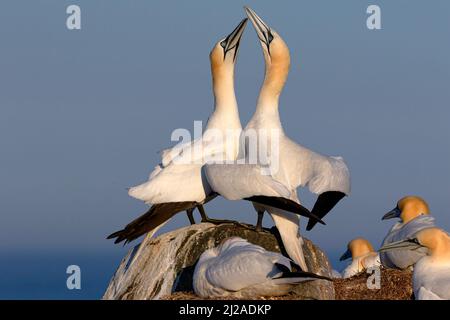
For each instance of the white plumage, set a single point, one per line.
(361, 264)
(178, 183)
(289, 165)
(431, 279)
(240, 269)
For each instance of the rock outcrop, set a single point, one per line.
(163, 265)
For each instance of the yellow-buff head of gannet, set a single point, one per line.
(363, 256)
(408, 208)
(276, 55)
(356, 248)
(223, 57)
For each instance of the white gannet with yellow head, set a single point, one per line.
(363, 257)
(177, 183)
(239, 269)
(431, 277)
(290, 165)
(414, 215)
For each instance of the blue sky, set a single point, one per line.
(83, 114)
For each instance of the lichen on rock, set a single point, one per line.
(161, 266)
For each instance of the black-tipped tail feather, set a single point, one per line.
(285, 204)
(286, 273)
(156, 215)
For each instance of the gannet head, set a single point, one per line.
(408, 208)
(223, 55)
(275, 50)
(436, 240)
(356, 248)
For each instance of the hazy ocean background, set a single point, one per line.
(83, 114)
(41, 275)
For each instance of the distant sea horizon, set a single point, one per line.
(42, 276)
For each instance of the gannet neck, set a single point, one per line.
(437, 241)
(440, 250)
(223, 88)
(276, 73)
(226, 113)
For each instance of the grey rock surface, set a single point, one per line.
(163, 265)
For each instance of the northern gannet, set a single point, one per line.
(413, 212)
(431, 276)
(295, 165)
(177, 183)
(363, 257)
(240, 269)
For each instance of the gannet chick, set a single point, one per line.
(240, 269)
(414, 216)
(293, 165)
(177, 184)
(431, 276)
(363, 257)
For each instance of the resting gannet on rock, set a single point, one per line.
(240, 269)
(177, 184)
(363, 257)
(294, 164)
(431, 276)
(413, 212)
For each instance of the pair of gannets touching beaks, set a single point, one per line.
(184, 180)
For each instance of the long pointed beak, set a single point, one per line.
(409, 244)
(394, 213)
(262, 29)
(347, 255)
(233, 39)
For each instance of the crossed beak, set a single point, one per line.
(262, 29)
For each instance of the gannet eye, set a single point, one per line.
(270, 37)
(223, 44)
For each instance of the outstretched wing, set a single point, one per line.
(240, 181)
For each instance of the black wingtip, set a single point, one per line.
(324, 203)
(114, 235)
(303, 274)
(311, 224)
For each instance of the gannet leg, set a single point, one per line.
(190, 214)
(205, 218)
(259, 227)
